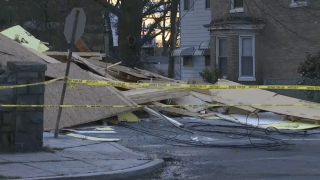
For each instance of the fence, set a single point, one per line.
(300, 94)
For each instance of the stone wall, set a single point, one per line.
(21, 129)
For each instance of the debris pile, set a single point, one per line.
(88, 66)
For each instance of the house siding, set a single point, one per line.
(193, 72)
(192, 30)
(192, 34)
(282, 45)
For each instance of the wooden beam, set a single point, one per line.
(175, 110)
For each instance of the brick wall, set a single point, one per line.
(289, 33)
(21, 129)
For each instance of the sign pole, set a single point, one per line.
(67, 72)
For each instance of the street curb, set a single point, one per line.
(119, 174)
(125, 149)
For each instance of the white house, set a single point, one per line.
(194, 51)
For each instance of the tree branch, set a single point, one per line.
(156, 23)
(110, 7)
(154, 8)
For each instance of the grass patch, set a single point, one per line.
(47, 148)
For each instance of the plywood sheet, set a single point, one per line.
(13, 51)
(259, 96)
(174, 110)
(90, 95)
(190, 100)
(141, 96)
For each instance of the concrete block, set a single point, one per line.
(7, 96)
(27, 75)
(23, 81)
(26, 66)
(6, 140)
(28, 99)
(7, 118)
(27, 125)
(22, 91)
(36, 89)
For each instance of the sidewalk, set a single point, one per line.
(77, 159)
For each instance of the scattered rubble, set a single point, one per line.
(88, 65)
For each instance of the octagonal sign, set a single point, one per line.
(70, 22)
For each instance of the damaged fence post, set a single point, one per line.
(76, 19)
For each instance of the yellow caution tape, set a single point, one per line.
(187, 86)
(140, 106)
(33, 84)
(164, 86)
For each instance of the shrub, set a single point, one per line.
(310, 72)
(311, 67)
(210, 76)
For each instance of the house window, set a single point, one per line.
(246, 58)
(187, 61)
(207, 4)
(222, 54)
(236, 6)
(207, 60)
(298, 3)
(188, 5)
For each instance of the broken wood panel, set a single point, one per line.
(59, 70)
(148, 73)
(82, 54)
(157, 81)
(13, 51)
(190, 100)
(259, 96)
(174, 110)
(197, 81)
(96, 58)
(207, 115)
(203, 97)
(141, 96)
(128, 71)
(83, 95)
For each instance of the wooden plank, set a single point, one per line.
(81, 54)
(202, 91)
(190, 100)
(207, 115)
(148, 73)
(203, 97)
(141, 96)
(157, 81)
(96, 58)
(175, 110)
(259, 96)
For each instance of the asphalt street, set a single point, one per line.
(286, 157)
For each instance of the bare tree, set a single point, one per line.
(130, 14)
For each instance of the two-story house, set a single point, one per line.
(193, 55)
(252, 40)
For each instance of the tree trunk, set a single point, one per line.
(173, 21)
(130, 32)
